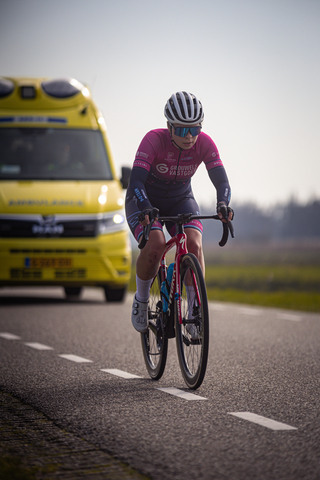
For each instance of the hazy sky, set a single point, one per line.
(254, 64)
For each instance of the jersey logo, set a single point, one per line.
(141, 154)
(162, 168)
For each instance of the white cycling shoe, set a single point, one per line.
(139, 315)
(193, 331)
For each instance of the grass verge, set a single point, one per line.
(279, 280)
(11, 468)
(292, 300)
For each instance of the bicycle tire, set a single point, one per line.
(154, 343)
(192, 353)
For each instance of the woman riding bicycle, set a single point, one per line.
(161, 178)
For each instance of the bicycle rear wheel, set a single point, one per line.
(192, 336)
(154, 343)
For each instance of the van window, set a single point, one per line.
(53, 154)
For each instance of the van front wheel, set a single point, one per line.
(114, 294)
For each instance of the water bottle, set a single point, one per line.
(165, 288)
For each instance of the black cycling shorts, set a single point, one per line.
(167, 206)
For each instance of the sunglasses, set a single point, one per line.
(183, 131)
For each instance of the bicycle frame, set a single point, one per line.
(180, 242)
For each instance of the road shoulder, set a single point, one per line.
(33, 447)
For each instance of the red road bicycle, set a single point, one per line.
(180, 309)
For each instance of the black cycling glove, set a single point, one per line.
(151, 211)
(224, 210)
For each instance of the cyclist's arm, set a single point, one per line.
(137, 187)
(220, 180)
(211, 158)
(145, 155)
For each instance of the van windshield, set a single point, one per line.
(53, 154)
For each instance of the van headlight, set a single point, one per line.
(111, 222)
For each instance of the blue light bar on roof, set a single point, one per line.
(33, 119)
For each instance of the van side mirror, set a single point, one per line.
(125, 176)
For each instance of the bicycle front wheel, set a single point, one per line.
(154, 343)
(192, 336)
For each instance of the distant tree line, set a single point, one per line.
(281, 222)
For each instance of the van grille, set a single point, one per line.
(67, 274)
(30, 274)
(25, 273)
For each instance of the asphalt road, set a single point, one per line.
(256, 416)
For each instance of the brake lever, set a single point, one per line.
(225, 235)
(145, 235)
(226, 228)
(230, 226)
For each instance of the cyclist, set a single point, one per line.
(161, 178)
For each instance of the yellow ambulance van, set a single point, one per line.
(62, 219)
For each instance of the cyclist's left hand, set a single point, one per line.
(225, 213)
(147, 215)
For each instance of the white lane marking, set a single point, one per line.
(75, 358)
(289, 316)
(119, 373)
(181, 393)
(216, 306)
(38, 346)
(9, 336)
(250, 311)
(281, 316)
(265, 422)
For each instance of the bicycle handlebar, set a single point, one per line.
(185, 218)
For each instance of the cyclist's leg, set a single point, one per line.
(149, 257)
(194, 244)
(146, 267)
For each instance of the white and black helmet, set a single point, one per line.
(183, 108)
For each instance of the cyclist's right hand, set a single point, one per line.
(147, 215)
(225, 213)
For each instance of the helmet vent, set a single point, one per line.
(184, 108)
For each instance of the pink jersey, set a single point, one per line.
(166, 163)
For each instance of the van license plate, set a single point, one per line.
(47, 262)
